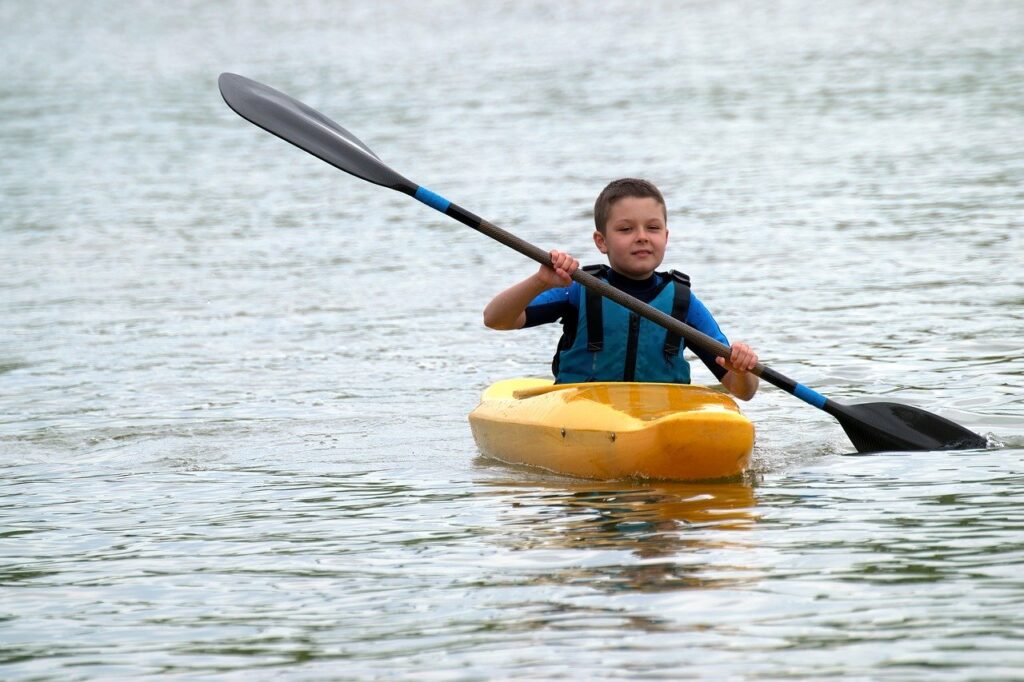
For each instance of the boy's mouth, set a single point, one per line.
(642, 253)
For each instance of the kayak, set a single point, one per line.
(614, 430)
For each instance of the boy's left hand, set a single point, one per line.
(742, 360)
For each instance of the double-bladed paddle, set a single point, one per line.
(872, 427)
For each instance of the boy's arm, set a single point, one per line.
(737, 378)
(507, 310)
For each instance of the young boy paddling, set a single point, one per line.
(601, 340)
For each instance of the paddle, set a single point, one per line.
(872, 427)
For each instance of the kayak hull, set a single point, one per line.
(614, 430)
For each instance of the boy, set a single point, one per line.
(601, 340)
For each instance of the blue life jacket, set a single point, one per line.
(612, 343)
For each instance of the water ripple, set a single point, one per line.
(233, 381)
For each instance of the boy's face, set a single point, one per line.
(635, 236)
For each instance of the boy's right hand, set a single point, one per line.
(559, 273)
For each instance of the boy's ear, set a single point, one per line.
(599, 241)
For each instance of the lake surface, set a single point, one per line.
(234, 381)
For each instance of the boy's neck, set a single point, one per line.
(616, 277)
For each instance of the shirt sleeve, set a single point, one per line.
(701, 319)
(553, 305)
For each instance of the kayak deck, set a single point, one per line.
(614, 430)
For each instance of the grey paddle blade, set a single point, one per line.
(878, 427)
(307, 129)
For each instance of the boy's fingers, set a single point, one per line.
(743, 358)
(563, 264)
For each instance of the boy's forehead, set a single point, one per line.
(629, 205)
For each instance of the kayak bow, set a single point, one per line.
(614, 430)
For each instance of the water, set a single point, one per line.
(233, 381)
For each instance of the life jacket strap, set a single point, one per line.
(595, 316)
(680, 308)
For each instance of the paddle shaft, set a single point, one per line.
(695, 338)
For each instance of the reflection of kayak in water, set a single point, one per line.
(591, 504)
(614, 430)
(638, 537)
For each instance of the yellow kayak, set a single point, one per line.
(614, 430)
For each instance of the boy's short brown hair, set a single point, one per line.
(620, 189)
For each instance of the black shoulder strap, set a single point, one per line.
(680, 307)
(680, 277)
(595, 316)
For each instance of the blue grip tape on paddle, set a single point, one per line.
(432, 200)
(809, 396)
